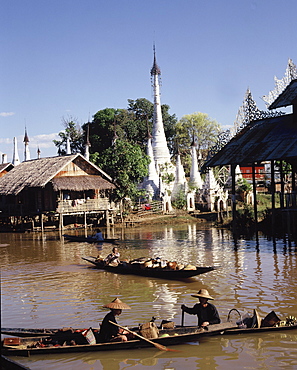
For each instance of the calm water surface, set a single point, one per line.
(45, 283)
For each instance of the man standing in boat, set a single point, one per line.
(206, 312)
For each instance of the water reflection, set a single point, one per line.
(45, 283)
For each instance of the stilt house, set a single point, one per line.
(63, 185)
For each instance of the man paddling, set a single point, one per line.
(206, 312)
(108, 331)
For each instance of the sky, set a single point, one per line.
(66, 59)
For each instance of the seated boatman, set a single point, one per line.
(98, 236)
(206, 312)
(108, 331)
(113, 258)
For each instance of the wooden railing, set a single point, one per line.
(82, 205)
(150, 207)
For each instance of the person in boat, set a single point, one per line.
(113, 258)
(109, 332)
(98, 236)
(206, 312)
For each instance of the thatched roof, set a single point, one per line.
(80, 183)
(39, 172)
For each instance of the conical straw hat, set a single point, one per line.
(202, 293)
(117, 304)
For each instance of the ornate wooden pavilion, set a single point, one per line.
(267, 138)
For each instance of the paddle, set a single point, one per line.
(157, 345)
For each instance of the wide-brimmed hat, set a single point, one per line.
(117, 304)
(203, 293)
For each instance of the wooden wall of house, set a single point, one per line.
(78, 168)
(2, 173)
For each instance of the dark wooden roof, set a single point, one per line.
(262, 140)
(287, 97)
(39, 172)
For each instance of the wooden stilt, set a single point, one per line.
(233, 177)
(255, 194)
(61, 222)
(85, 220)
(41, 222)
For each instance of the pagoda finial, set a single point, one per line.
(155, 68)
(88, 134)
(115, 136)
(26, 138)
(27, 151)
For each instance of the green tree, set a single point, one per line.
(127, 166)
(74, 132)
(202, 129)
(131, 124)
(180, 201)
(143, 111)
(243, 187)
(102, 129)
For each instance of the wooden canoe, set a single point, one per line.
(167, 337)
(139, 269)
(178, 335)
(30, 333)
(89, 239)
(8, 364)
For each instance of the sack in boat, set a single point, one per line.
(190, 267)
(64, 330)
(172, 265)
(165, 324)
(149, 330)
(89, 335)
(256, 320)
(270, 320)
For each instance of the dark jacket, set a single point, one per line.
(208, 313)
(108, 330)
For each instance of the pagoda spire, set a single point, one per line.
(68, 147)
(27, 151)
(195, 177)
(15, 157)
(87, 143)
(159, 143)
(180, 183)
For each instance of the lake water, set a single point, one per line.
(46, 284)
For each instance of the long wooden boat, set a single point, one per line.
(61, 343)
(89, 239)
(139, 269)
(40, 333)
(167, 337)
(8, 364)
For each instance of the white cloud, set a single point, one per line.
(6, 114)
(44, 140)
